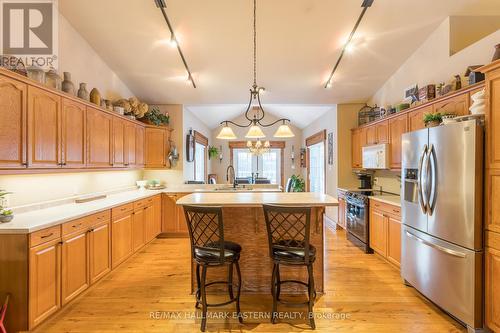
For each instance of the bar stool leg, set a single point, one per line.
(278, 285)
(238, 309)
(197, 305)
(274, 313)
(203, 298)
(230, 280)
(312, 293)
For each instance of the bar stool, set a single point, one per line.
(209, 249)
(288, 232)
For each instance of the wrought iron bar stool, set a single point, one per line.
(209, 249)
(288, 232)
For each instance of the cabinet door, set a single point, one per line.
(416, 118)
(100, 251)
(169, 209)
(492, 199)
(73, 134)
(341, 212)
(130, 144)
(99, 129)
(356, 148)
(378, 232)
(121, 241)
(371, 135)
(458, 105)
(382, 132)
(139, 146)
(394, 240)
(492, 289)
(157, 215)
(44, 281)
(74, 265)
(493, 119)
(13, 122)
(118, 142)
(397, 127)
(156, 143)
(138, 229)
(149, 222)
(182, 227)
(44, 129)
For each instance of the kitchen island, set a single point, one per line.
(244, 224)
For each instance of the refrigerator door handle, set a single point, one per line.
(422, 196)
(433, 181)
(435, 246)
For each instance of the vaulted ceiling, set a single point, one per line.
(298, 43)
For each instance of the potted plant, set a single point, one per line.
(213, 152)
(155, 117)
(298, 184)
(6, 215)
(433, 119)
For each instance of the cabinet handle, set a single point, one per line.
(24, 164)
(46, 236)
(395, 210)
(76, 225)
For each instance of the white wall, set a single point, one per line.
(79, 58)
(190, 121)
(296, 142)
(432, 63)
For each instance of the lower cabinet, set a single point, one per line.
(385, 231)
(121, 237)
(74, 264)
(138, 229)
(99, 250)
(174, 222)
(492, 286)
(341, 218)
(44, 281)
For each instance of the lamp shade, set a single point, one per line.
(226, 133)
(284, 131)
(255, 133)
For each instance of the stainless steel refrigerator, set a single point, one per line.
(442, 237)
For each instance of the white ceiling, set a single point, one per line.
(298, 43)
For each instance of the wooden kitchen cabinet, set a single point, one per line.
(458, 104)
(44, 281)
(157, 210)
(174, 221)
(492, 288)
(342, 212)
(382, 131)
(378, 232)
(156, 148)
(139, 145)
(138, 229)
(397, 127)
(44, 129)
(358, 137)
(121, 233)
(416, 118)
(99, 250)
(394, 237)
(149, 223)
(13, 108)
(73, 134)
(371, 135)
(99, 138)
(118, 142)
(75, 265)
(130, 144)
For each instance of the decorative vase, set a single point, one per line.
(36, 73)
(95, 96)
(496, 55)
(67, 84)
(433, 123)
(82, 92)
(52, 79)
(6, 218)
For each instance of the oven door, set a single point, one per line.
(356, 221)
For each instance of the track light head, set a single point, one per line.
(160, 3)
(367, 3)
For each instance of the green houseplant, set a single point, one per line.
(213, 152)
(155, 117)
(6, 215)
(298, 183)
(433, 119)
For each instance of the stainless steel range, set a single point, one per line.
(357, 221)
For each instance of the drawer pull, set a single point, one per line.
(76, 225)
(46, 236)
(395, 210)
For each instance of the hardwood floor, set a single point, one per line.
(363, 294)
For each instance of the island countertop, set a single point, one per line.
(258, 199)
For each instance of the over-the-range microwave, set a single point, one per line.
(376, 156)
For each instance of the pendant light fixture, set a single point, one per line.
(255, 113)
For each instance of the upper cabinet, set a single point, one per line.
(99, 135)
(118, 142)
(416, 118)
(73, 134)
(139, 145)
(44, 128)
(358, 141)
(156, 147)
(13, 96)
(458, 105)
(397, 127)
(130, 144)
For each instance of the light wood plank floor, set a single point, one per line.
(363, 294)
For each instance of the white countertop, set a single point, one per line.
(390, 199)
(37, 219)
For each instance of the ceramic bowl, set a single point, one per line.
(119, 110)
(141, 184)
(6, 218)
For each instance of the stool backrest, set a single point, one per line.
(288, 228)
(206, 228)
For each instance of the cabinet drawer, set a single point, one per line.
(386, 208)
(122, 210)
(75, 225)
(140, 204)
(45, 235)
(99, 218)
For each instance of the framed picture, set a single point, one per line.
(330, 148)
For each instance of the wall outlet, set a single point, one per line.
(375, 180)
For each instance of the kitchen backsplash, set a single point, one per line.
(389, 180)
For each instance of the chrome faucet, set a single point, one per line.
(233, 175)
